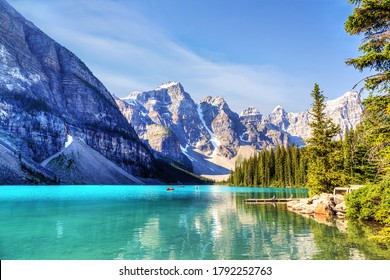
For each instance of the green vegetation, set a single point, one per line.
(371, 18)
(325, 163)
(278, 167)
(372, 203)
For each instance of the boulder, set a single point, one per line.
(304, 200)
(292, 203)
(339, 198)
(323, 209)
(341, 207)
(308, 209)
(299, 206)
(325, 197)
(315, 197)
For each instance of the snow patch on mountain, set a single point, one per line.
(68, 141)
(3, 54)
(167, 85)
(251, 111)
(278, 109)
(214, 141)
(131, 97)
(342, 101)
(185, 151)
(12, 77)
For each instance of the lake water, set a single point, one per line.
(149, 222)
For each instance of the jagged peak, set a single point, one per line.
(278, 110)
(348, 96)
(217, 100)
(250, 111)
(132, 96)
(167, 85)
(351, 93)
(206, 99)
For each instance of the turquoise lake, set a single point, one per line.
(151, 223)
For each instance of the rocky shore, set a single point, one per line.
(325, 208)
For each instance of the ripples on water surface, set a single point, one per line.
(149, 222)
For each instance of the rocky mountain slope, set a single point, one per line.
(16, 170)
(47, 93)
(211, 135)
(78, 163)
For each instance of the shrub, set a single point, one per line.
(371, 203)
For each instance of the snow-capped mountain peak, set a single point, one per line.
(132, 96)
(167, 85)
(278, 110)
(251, 111)
(350, 96)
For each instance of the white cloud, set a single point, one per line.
(128, 52)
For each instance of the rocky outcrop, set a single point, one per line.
(16, 170)
(324, 205)
(170, 110)
(326, 209)
(46, 93)
(260, 132)
(164, 141)
(223, 125)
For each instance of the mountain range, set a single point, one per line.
(59, 124)
(209, 133)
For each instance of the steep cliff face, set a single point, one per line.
(260, 132)
(223, 124)
(46, 92)
(171, 108)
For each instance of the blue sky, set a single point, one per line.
(259, 53)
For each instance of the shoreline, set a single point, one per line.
(325, 208)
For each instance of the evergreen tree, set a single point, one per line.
(376, 131)
(288, 167)
(279, 166)
(372, 19)
(348, 154)
(296, 158)
(302, 171)
(275, 167)
(321, 146)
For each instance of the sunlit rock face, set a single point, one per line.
(46, 93)
(167, 119)
(345, 111)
